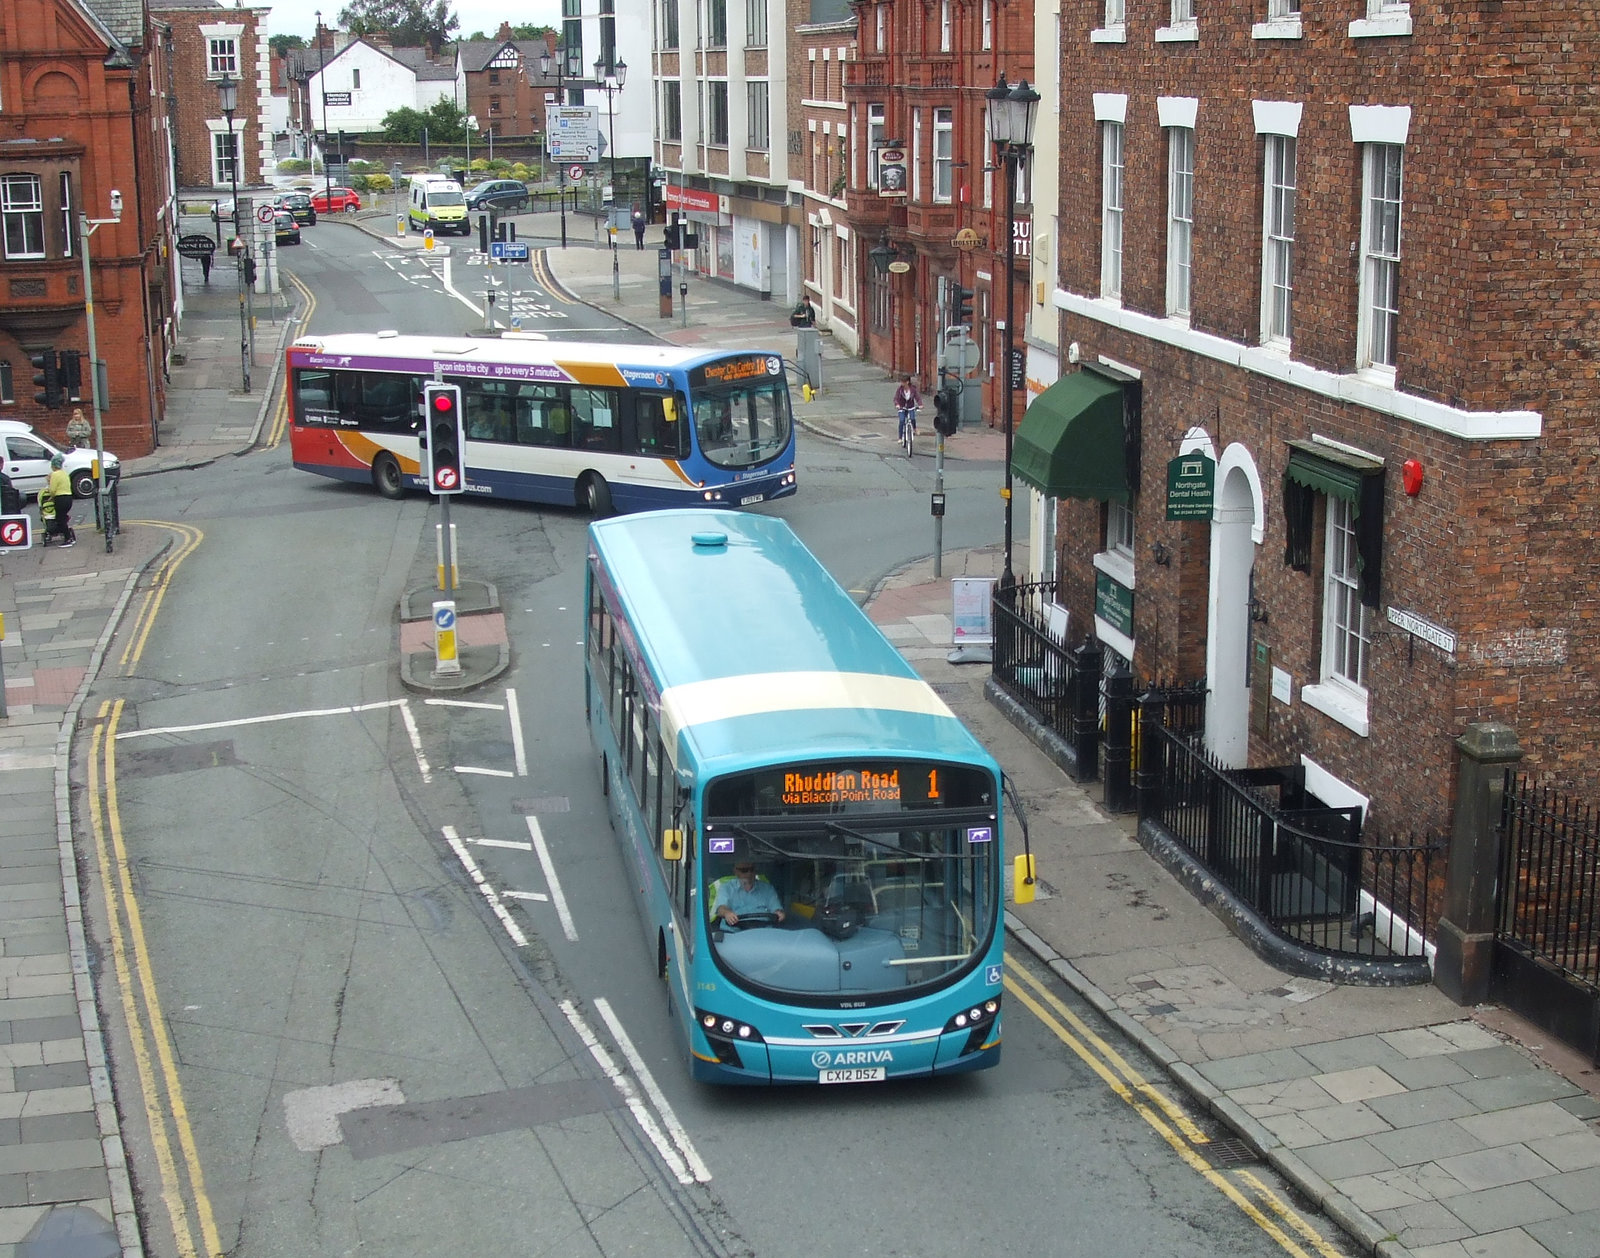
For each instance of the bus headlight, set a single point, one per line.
(724, 1035)
(977, 1021)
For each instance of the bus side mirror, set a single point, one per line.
(672, 845)
(1023, 879)
(669, 409)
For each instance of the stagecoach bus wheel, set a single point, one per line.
(386, 476)
(594, 495)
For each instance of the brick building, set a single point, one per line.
(823, 45)
(1347, 251)
(208, 43)
(82, 87)
(504, 84)
(921, 175)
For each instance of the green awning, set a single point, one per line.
(1330, 471)
(1072, 440)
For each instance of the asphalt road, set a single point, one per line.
(338, 1047)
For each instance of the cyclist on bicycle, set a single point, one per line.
(906, 402)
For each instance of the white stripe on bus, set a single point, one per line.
(722, 698)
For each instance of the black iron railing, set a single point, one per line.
(1306, 871)
(1550, 879)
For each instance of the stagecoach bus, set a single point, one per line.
(815, 836)
(602, 427)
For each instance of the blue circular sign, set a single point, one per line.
(444, 617)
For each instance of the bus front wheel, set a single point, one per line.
(594, 495)
(386, 476)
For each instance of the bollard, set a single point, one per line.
(446, 654)
(1118, 794)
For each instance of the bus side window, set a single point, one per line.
(313, 395)
(594, 414)
(652, 434)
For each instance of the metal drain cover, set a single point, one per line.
(1227, 1153)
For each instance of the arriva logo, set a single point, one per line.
(853, 1057)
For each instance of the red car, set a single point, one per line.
(342, 199)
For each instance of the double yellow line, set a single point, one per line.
(171, 1134)
(1261, 1204)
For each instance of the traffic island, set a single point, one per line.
(454, 640)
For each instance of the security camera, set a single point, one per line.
(116, 204)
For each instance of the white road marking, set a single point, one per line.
(272, 718)
(489, 773)
(518, 747)
(680, 1137)
(476, 874)
(626, 1090)
(511, 843)
(464, 703)
(556, 897)
(527, 895)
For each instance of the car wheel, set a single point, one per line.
(594, 495)
(350, 207)
(82, 485)
(386, 476)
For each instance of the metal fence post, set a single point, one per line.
(1149, 777)
(1118, 794)
(1086, 663)
(1466, 930)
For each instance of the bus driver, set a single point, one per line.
(744, 893)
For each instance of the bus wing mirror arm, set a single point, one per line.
(1025, 875)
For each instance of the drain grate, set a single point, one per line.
(1228, 1153)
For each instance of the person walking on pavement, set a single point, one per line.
(638, 228)
(804, 315)
(55, 504)
(78, 430)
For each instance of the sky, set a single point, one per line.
(297, 17)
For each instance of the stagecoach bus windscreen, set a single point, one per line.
(852, 786)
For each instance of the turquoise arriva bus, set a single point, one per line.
(750, 717)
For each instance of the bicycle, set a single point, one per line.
(908, 428)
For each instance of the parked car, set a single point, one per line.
(299, 204)
(507, 196)
(336, 201)
(28, 455)
(285, 231)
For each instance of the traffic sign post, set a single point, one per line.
(265, 214)
(508, 250)
(575, 172)
(16, 532)
(446, 651)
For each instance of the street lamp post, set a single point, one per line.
(1011, 115)
(228, 96)
(322, 78)
(86, 228)
(566, 67)
(611, 83)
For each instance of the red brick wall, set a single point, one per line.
(1497, 312)
(197, 94)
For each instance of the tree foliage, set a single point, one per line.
(408, 23)
(281, 44)
(527, 30)
(444, 121)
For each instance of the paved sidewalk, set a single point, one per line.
(1420, 1127)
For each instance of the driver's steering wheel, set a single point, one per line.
(753, 919)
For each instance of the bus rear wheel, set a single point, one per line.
(386, 476)
(594, 495)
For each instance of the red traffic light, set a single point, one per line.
(442, 401)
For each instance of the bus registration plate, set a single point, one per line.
(854, 1074)
(749, 498)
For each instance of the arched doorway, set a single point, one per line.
(1237, 529)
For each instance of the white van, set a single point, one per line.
(438, 203)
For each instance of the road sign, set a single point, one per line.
(572, 132)
(446, 652)
(16, 532)
(427, 238)
(266, 213)
(508, 250)
(575, 171)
